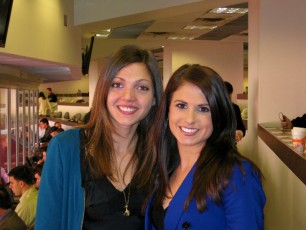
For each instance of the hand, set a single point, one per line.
(239, 135)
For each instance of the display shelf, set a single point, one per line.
(242, 96)
(279, 141)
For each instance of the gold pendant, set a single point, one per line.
(126, 212)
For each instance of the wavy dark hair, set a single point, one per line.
(99, 128)
(219, 155)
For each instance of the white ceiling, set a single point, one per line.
(150, 33)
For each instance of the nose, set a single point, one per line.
(128, 93)
(190, 116)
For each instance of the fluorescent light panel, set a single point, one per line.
(191, 27)
(181, 38)
(104, 33)
(223, 10)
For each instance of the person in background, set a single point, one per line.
(21, 183)
(240, 130)
(44, 124)
(9, 220)
(51, 96)
(106, 163)
(296, 122)
(203, 182)
(54, 131)
(43, 104)
(43, 155)
(4, 177)
(58, 125)
(37, 174)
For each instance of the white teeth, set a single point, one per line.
(127, 109)
(188, 130)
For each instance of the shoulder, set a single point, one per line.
(68, 136)
(244, 179)
(64, 145)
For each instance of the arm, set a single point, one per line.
(50, 196)
(244, 200)
(240, 130)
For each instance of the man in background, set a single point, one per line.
(22, 185)
(8, 217)
(51, 96)
(240, 130)
(44, 124)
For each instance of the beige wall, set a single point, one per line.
(37, 31)
(226, 58)
(277, 82)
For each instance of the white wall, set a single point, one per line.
(277, 82)
(226, 58)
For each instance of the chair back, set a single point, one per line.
(66, 115)
(58, 114)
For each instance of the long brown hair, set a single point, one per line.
(99, 128)
(219, 155)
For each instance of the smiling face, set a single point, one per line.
(130, 96)
(190, 118)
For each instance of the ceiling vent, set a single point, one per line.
(209, 20)
(130, 31)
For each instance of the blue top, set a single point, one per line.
(60, 204)
(241, 208)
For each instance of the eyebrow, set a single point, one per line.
(140, 80)
(178, 100)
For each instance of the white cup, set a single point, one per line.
(298, 139)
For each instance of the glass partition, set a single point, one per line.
(19, 125)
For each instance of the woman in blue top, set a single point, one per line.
(98, 177)
(203, 182)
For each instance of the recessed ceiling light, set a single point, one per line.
(181, 38)
(103, 33)
(224, 10)
(190, 27)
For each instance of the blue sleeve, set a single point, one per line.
(244, 200)
(60, 204)
(50, 197)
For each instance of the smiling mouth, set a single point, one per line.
(188, 130)
(127, 109)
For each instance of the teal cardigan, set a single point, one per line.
(61, 198)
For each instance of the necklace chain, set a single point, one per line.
(126, 201)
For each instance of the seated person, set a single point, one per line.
(296, 122)
(37, 174)
(8, 217)
(21, 183)
(58, 124)
(55, 131)
(44, 124)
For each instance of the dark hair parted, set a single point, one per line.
(99, 128)
(23, 173)
(219, 155)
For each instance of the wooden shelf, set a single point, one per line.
(73, 104)
(242, 96)
(279, 141)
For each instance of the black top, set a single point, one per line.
(104, 207)
(240, 125)
(158, 216)
(52, 97)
